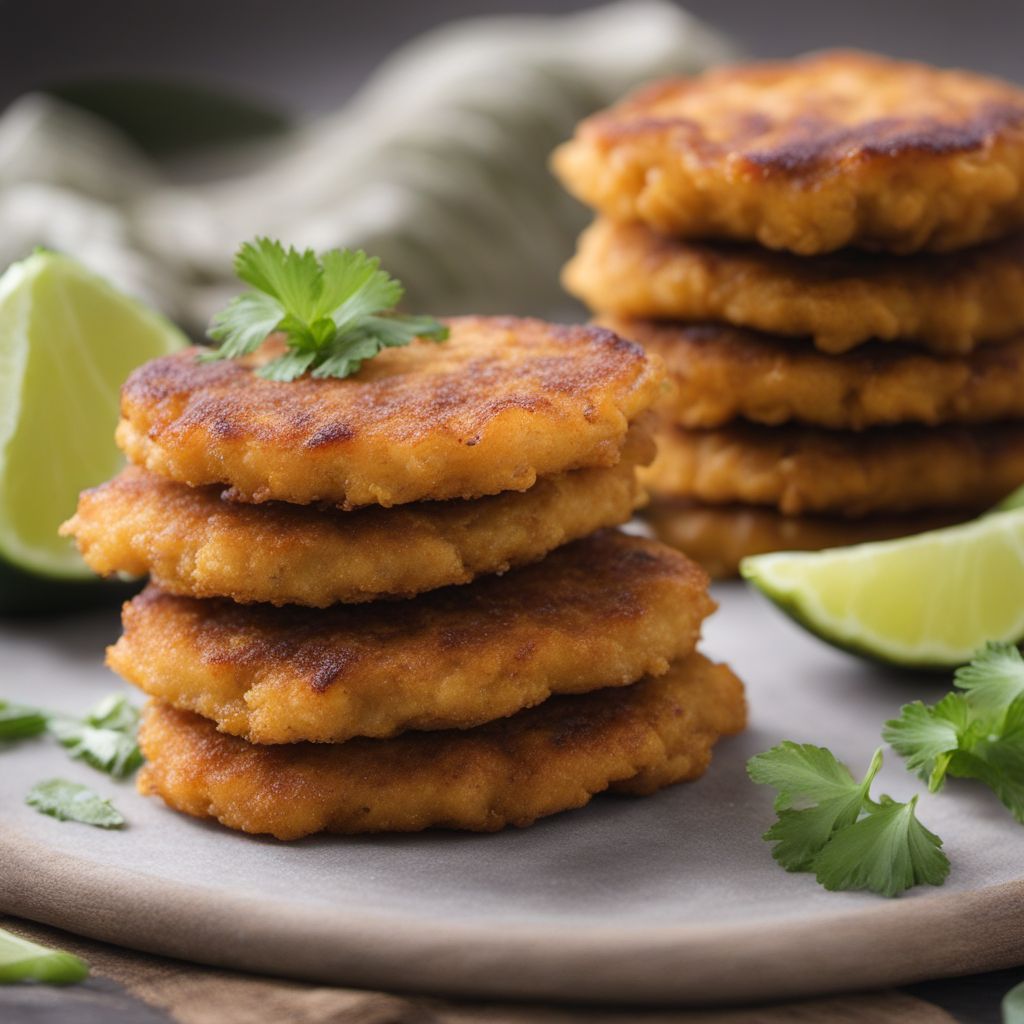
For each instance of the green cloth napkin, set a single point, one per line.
(438, 165)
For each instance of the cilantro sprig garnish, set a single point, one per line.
(829, 825)
(975, 732)
(335, 311)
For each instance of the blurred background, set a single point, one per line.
(148, 139)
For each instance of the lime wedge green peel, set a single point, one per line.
(927, 601)
(68, 339)
(22, 960)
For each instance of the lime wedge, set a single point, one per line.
(67, 341)
(928, 601)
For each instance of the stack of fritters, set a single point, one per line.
(395, 601)
(828, 255)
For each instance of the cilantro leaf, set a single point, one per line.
(998, 761)
(71, 801)
(799, 836)
(807, 775)
(928, 737)
(355, 288)
(887, 851)
(334, 311)
(802, 773)
(243, 325)
(977, 733)
(22, 960)
(18, 722)
(993, 680)
(105, 738)
(293, 278)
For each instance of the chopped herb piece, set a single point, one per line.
(71, 801)
(18, 722)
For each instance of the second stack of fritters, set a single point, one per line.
(397, 601)
(827, 254)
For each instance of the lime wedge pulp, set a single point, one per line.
(67, 341)
(928, 601)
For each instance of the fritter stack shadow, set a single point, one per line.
(827, 253)
(397, 601)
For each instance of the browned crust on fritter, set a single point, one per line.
(803, 470)
(598, 613)
(552, 758)
(498, 404)
(724, 373)
(194, 542)
(811, 155)
(719, 538)
(947, 303)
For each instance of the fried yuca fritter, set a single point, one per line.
(193, 542)
(500, 403)
(806, 471)
(947, 303)
(723, 373)
(550, 758)
(598, 613)
(720, 537)
(811, 155)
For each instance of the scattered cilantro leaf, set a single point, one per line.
(335, 311)
(18, 722)
(22, 960)
(886, 851)
(71, 801)
(105, 738)
(974, 732)
(828, 824)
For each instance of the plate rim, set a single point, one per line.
(893, 943)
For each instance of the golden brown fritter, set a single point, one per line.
(804, 470)
(811, 155)
(947, 303)
(723, 373)
(500, 403)
(601, 612)
(193, 542)
(720, 537)
(552, 758)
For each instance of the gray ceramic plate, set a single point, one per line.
(671, 898)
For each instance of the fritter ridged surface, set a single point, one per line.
(723, 373)
(498, 404)
(552, 758)
(720, 537)
(947, 303)
(601, 612)
(806, 471)
(811, 155)
(193, 542)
